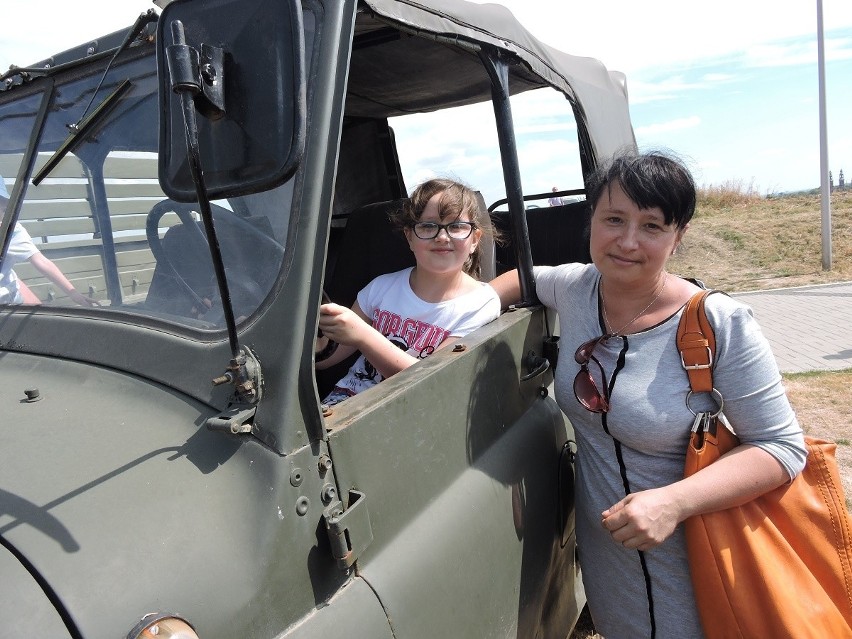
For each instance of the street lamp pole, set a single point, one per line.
(825, 186)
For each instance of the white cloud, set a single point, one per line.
(666, 127)
(781, 55)
(643, 91)
(717, 78)
(532, 129)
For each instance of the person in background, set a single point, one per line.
(22, 249)
(621, 382)
(404, 316)
(555, 200)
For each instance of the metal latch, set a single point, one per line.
(235, 420)
(349, 531)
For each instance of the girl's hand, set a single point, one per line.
(341, 324)
(642, 520)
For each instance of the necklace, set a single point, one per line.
(638, 315)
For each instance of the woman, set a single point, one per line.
(401, 317)
(625, 389)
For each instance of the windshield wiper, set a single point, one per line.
(86, 122)
(79, 129)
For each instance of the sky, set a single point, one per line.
(731, 86)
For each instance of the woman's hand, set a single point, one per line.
(646, 519)
(642, 520)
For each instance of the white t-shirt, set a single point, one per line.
(412, 324)
(21, 248)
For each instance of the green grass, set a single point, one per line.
(810, 374)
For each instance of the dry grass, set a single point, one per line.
(822, 402)
(741, 241)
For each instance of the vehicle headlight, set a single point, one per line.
(162, 626)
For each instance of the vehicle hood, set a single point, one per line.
(115, 501)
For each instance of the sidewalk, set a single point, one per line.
(808, 327)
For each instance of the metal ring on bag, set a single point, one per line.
(717, 394)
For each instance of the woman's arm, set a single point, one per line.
(645, 519)
(352, 330)
(508, 288)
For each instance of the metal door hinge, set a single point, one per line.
(349, 530)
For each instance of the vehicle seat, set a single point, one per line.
(558, 235)
(370, 246)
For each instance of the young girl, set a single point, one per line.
(401, 317)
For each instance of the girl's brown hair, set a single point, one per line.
(457, 200)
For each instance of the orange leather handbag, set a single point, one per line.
(779, 565)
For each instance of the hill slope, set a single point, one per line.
(743, 242)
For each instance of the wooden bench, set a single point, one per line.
(61, 216)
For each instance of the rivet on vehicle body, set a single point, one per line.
(302, 505)
(458, 348)
(329, 494)
(324, 464)
(33, 395)
(296, 477)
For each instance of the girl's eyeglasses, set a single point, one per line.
(456, 230)
(585, 387)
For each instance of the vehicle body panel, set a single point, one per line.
(131, 488)
(479, 488)
(27, 601)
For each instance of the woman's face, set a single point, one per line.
(441, 254)
(628, 244)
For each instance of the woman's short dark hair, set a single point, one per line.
(650, 180)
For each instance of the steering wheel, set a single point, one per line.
(238, 238)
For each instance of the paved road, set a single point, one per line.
(808, 327)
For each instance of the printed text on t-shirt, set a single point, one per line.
(416, 334)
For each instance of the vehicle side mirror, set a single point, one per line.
(245, 61)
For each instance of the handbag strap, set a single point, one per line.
(697, 344)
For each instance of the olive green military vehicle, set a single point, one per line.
(167, 468)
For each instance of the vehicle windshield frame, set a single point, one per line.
(278, 204)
